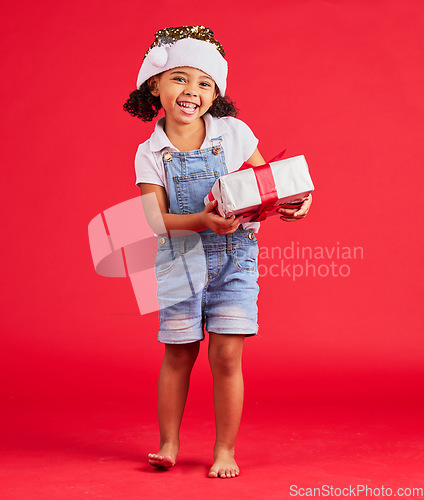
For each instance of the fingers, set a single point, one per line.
(218, 224)
(298, 212)
(304, 209)
(231, 224)
(288, 211)
(228, 226)
(210, 206)
(301, 213)
(290, 215)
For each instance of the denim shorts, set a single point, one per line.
(207, 281)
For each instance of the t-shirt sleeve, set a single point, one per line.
(247, 139)
(146, 168)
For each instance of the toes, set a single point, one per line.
(168, 461)
(230, 473)
(159, 461)
(223, 472)
(155, 461)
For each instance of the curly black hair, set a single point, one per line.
(142, 104)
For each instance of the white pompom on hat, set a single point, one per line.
(181, 46)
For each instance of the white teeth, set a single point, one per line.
(187, 104)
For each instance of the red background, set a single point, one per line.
(340, 82)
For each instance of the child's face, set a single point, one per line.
(185, 93)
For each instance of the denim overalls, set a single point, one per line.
(204, 279)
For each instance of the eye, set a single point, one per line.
(179, 79)
(205, 84)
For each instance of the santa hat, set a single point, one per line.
(193, 46)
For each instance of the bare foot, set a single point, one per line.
(224, 465)
(165, 457)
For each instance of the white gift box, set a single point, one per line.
(257, 192)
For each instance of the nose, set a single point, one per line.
(189, 90)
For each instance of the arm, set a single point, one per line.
(155, 204)
(256, 159)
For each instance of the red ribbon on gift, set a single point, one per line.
(279, 157)
(260, 214)
(266, 186)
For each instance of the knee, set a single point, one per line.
(225, 360)
(181, 356)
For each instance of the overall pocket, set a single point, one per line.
(192, 189)
(245, 257)
(166, 258)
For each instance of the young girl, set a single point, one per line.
(199, 139)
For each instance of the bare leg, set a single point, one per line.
(225, 354)
(173, 384)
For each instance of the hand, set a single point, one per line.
(219, 224)
(291, 214)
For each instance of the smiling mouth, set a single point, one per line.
(187, 105)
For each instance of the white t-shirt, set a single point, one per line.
(238, 142)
